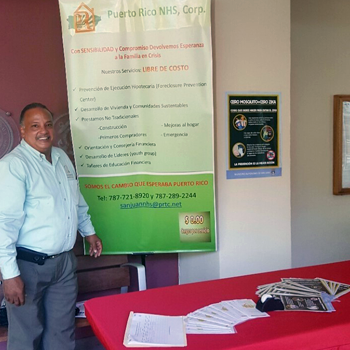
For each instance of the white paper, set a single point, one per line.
(144, 330)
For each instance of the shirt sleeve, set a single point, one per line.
(12, 194)
(85, 226)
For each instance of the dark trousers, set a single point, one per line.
(47, 319)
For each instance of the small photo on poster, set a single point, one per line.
(239, 122)
(239, 150)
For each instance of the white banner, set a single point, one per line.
(139, 78)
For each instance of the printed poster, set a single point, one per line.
(139, 80)
(253, 136)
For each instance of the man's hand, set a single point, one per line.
(14, 291)
(95, 245)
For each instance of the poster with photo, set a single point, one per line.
(253, 135)
(139, 83)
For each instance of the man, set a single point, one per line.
(41, 209)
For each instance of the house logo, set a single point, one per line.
(84, 19)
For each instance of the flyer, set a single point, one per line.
(253, 136)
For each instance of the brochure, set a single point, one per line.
(148, 330)
(221, 318)
(302, 294)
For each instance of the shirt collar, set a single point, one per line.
(54, 153)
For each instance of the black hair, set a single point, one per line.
(31, 106)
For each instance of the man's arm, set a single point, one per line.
(86, 228)
(12, 189)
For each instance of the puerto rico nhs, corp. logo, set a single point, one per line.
(83, 19)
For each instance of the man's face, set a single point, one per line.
(37, 130)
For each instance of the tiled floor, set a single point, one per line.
(91, 343)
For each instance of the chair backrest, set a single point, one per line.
(100, 274)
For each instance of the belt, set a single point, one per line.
(33, 256)
(53, 256)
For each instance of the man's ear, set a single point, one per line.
(21, 128)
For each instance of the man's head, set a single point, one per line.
(37, 127)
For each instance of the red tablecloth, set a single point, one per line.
(283, 330)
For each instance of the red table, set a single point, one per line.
(283, 330)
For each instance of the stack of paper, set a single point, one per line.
(305, 294)
(147, 330)
(221, 317)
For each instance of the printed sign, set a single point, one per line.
(253, 136)
(139, 78)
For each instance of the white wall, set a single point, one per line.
(320, 69)
(251, 47)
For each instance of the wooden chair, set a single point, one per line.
(108, 274)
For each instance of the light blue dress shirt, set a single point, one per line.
(41, 207)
